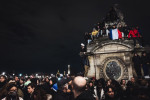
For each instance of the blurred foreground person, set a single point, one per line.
(39, 94)
(2, 81)
(12, 93)
(78, 89)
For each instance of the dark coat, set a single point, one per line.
(144, 60)
(2, 84)
(86, 95)
(60, 95)
(136, 60)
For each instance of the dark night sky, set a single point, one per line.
(43, 36)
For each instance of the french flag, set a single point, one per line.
(115, 34)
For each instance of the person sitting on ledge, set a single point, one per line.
(94, 33)
(134, 34)
(87, 38)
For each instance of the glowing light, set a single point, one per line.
(3, 73)
(61, 75)
(20, 74)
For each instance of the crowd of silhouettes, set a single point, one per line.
(72, 87)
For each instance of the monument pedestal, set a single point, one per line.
(111, 59)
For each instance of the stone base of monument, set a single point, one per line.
(112, 59)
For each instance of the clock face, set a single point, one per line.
(113, 70)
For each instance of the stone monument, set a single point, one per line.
(111, 59)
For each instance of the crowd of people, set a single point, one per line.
(114, 32)
(141, 63)
(72, 87)
(114, 27)
(77, 87)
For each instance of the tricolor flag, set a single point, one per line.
(115, 34)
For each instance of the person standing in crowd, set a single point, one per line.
(46, 86)
(86, 66)
(145, 63)
(69, 82)
(99, 89)
(12, 93)
(21, 83)
(78, 89)
(53, 85)
(124, 88)
(2, 81)
(125, 31)
(120, 30)
(90, 87)
(134, 34)
(17, 80)
(143, 90)
(69, 88)
(86, 38)
(39, 94)
(103, 31)
(110, 94)
(133, 82)
(117, 88)
(61, 93)
(30, 89)
(141, 35)
(131, 90)
(139, 30)
(83, 56)
(123, 84)
(137, 64)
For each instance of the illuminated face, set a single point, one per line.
(110, 93)
(114, 26)
(108, 83)
(30, 89)
(47, 80)
(135, 54)
(124, 82)
(144, 54)
(2, 79)
(50, 82)
(13, 89)
(132, 80)
(16, 79)
(91, 84)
